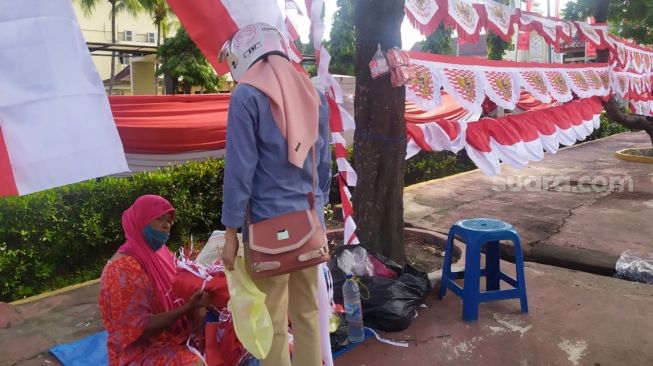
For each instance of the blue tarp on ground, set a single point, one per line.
(350, 346)
(91, 350)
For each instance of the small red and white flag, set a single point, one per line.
(56, 126)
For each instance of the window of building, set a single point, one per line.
(151, 37)
(129, 36)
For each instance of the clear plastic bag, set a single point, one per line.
(379, 64)
(356, 262)
(635, 266)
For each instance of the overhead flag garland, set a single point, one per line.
(471, 80)
(630, 63)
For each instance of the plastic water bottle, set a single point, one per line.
(353, 310)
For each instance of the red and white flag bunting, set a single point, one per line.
(471, 17)
(340, 119)
(56, 126)
(463, 16)
(631, 86)
(470, 80)
(423, 14)
(642, 107)
(515, 139)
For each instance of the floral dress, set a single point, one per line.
(126, 301)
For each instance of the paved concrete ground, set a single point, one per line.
(41, 324)
(575, 318)
(561, 222)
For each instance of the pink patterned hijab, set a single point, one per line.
(159, 265)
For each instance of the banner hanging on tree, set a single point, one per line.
(471, 80)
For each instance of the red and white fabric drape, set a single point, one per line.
(515, 139)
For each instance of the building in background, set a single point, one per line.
(135, 48)
(468, 49)
(530, 46)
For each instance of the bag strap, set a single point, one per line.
(310, 196)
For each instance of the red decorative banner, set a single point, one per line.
(471, 17)
(515, 139)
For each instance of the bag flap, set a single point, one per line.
(283, 233)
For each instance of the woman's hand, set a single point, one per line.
(160, 322)
(230, 248)
(199, 299)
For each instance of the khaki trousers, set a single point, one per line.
(295, 295)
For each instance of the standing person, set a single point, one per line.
(275, 118)
(144, 326)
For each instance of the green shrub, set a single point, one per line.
(608, 127)
(420, 168)
(65, 235)
(431, 165)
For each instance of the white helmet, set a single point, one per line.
(249, 45)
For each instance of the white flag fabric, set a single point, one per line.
(56, 125)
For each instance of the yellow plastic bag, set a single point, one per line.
(251, 318)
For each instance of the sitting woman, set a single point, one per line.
(145, 325)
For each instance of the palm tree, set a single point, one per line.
(132, 7)
(161, 18)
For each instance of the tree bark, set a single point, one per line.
(380, 137)
(175, 85)
(631, 121)
(113, 42)
(156, 58)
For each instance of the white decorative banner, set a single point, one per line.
(422, 14)
(470, 80)
(472, 17)
(465, 16)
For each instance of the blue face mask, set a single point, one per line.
(155, 238)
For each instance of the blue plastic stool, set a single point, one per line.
(475, 233)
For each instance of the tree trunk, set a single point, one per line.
(635, 122)
(113, 41)
(169, 84)
(175, 85)
(380, 137)
(156, 58)
(188, 87)
(631, 121)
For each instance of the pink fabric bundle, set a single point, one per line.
(159, 265)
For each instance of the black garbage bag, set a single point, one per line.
(340, 338)
(388, 304)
